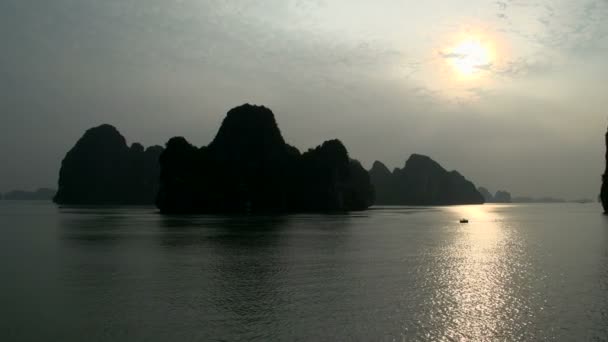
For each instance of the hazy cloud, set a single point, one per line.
(449, 55)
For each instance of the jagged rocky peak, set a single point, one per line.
(422, 181)
(487, 196)
(178, 143)
(379, 169)
(154, 149)
(415, 157)
(104, 136)
(362, 193)
(502, 196)
(248, 167)
(382, 179)
(248, 128)
(137, 148)
(331, 151)
(419, 162)
(102, 169)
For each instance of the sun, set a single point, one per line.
(470, 57)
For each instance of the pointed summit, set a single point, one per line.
(102, 169)
(103, 136)
(379, 169)
(422, 181)
(249, 168)
(248, 129)
(418, 161)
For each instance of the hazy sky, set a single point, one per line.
(511, 93)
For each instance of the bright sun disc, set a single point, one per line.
(470, 57)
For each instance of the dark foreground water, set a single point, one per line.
(515, 272)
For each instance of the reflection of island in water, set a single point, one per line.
(252, 267)
(242, 267)
(232, 272)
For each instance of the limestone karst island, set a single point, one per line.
(247, 168)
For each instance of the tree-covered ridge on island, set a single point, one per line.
(249, 167)
(101, 169)
(422, 181)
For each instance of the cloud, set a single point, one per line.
(501, 5)
(570, 26)
(524, 66)
(452, 55)
(487, 66)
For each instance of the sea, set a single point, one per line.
(514, 272)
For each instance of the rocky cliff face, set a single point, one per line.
(502, 197)
(422, 181)
(487, 196)
(384, 184)
(248, 167)
(604, 189)
(102, 169)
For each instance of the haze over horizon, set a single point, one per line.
(509, 93)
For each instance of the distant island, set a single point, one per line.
(501, 196)
(41, 194)
(248, 167)
(544, 199)
(101, 169)
(422, 181)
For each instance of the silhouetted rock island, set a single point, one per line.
(501, 196)
(422, 181)
(249, 167)
(487, 195)
(604, 189)
(102, 169)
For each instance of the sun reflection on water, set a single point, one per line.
(475, 294)
(483, 229)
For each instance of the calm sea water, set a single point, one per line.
(515, 272)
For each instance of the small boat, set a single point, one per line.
(464, 220)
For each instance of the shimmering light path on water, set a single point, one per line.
(514, 272)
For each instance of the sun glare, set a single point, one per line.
(470, 57)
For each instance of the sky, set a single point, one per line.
(510, 93)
